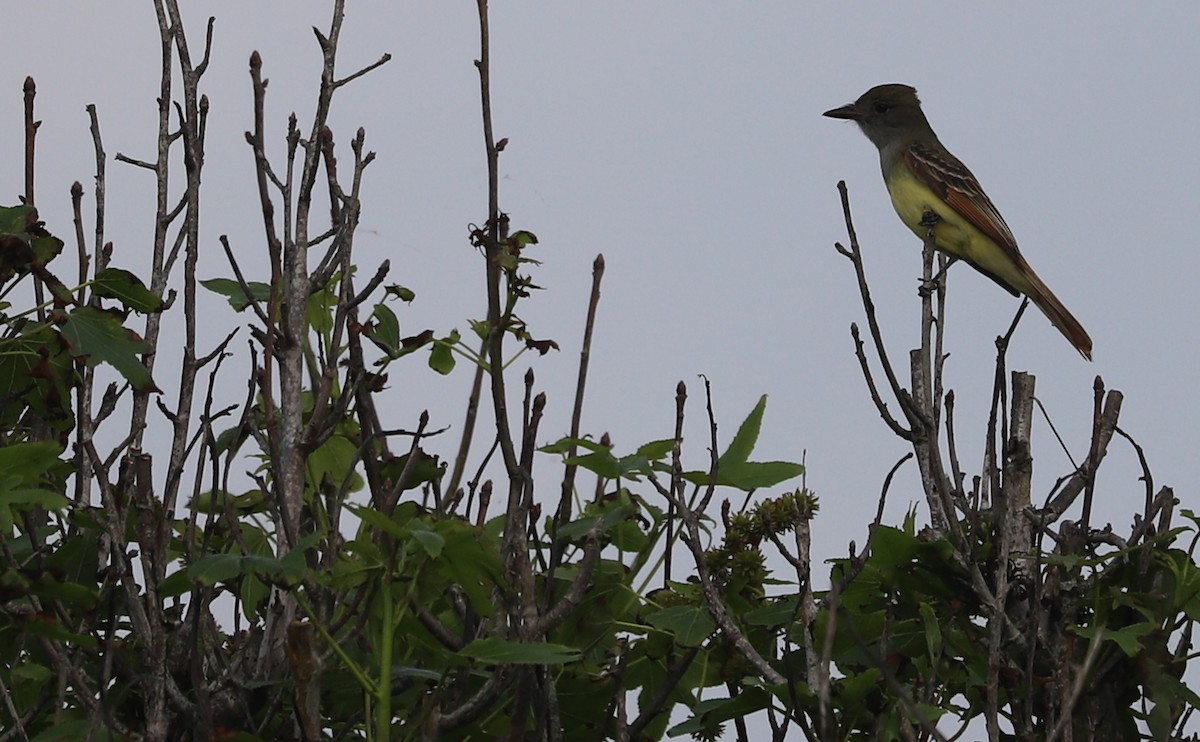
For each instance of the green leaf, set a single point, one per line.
(318, 310)
(430, 541)
(232, 290)
(523, 237)
(385, 331)
(743, 441)
(655, 450)
(1128, 638)
(30, 461)
(734, 468)
(577, 529)
(427, 468)
(175, 584)
(441, 356)
(216, 568)
(114, 283)
(99, 336)
(335, 459)
(497, 651)
(401, 293)
(933, 632)
(776, 613)
(715, 711)
(690, 625)
(17, 219)
(372, 517)
(47, 248)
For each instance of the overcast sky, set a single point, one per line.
(684, 141)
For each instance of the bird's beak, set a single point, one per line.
(847, 111)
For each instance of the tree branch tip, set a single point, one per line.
(76, 189)
(255, 60)
(30, 87)
(598, 263)
(1098, 384)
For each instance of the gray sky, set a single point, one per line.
(684, 141)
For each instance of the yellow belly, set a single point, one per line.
(953, 234)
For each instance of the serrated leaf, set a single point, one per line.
(335, 459)
(746, 437)
(100, 337)
(690, 625)
(114, 283)
(655, 450)
(734, 468)
(776, 613)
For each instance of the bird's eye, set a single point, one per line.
(881, 107)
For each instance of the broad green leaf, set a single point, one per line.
(655, 450)
(1128, 638)
(30, 461)
(372, 517)
(714, 711)
(778, 612)
(427, 468)
(99, 337)
(497, 651)
(318, 310)
(16, 220)
(22, 499)
(216, 568)
(690, 625)
(430, 541)
(401, 293)
(335, 458)
(114, 283)
(385, 331)
(577, 529)
(232, 290)
(441, 356)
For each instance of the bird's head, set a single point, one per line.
(886, 114)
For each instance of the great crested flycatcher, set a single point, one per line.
(923, 178)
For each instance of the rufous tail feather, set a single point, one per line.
(1060, 317)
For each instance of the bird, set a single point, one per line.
(932, 189)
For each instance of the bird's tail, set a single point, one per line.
(1066, 323)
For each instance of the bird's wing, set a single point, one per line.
(933, 164)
